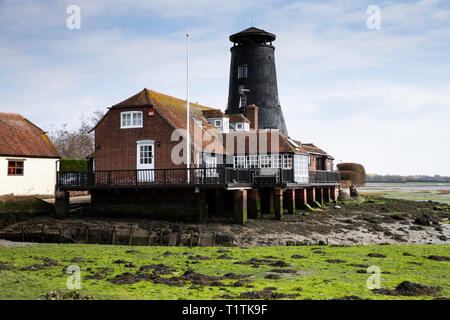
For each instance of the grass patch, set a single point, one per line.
(162, 272)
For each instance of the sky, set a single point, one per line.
(375, 96)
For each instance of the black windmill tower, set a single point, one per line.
(253, 78)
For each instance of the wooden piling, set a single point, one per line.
(161, 236)
(113, 235)
(150, 238)
(191, 240)
(199, 239)
(23, 234)
(100, 236)
(131, 235)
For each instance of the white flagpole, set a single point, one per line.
(188, 155)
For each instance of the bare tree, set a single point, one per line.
(77, 143)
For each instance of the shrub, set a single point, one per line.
(73, 165)
(354, 172)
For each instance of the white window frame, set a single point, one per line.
(218, 123)
(277, 161)
(211, 165)
(132, 115)
(243, 71)
(239, 127)
(252, 162)
(301, 168)
(265, 161)
(240, 162)
(287, 161)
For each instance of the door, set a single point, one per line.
(145, 161)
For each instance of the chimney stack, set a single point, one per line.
(251, 112)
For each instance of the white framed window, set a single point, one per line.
(252, 161)
(239, 127)
(301, 171)
(211, 165)
(242, 71)
(131, 119)
(287, 161)
(218, 123)
(277, 161)
(239, 162)
(328, 166)
(265, 161)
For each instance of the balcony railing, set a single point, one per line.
(192, 176)
(319, 177)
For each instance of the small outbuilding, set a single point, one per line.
(28, 158)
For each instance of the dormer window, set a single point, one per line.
(131, 119)
(218, 123)
(242, 71)
(239, 127)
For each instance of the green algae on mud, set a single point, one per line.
(152, 272)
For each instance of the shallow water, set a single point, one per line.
(418, 191)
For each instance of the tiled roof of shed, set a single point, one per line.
(20, 137)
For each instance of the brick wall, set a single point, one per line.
(118, 146)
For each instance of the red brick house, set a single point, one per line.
(139, 167)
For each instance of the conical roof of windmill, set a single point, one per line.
(253, 34)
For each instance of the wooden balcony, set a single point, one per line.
(193, 177)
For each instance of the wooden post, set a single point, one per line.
(254, 203)
(150, 238)
(161, 237)
(278, 193)
(214, 239)
(23, 234)
(191, 240)
(300, 198)
(290, 200)
(113, 235)
(311, 195)
(199, 239)
(100, 235)
(240, 206)
(131, 235)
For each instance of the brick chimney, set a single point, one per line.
(251, 112)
